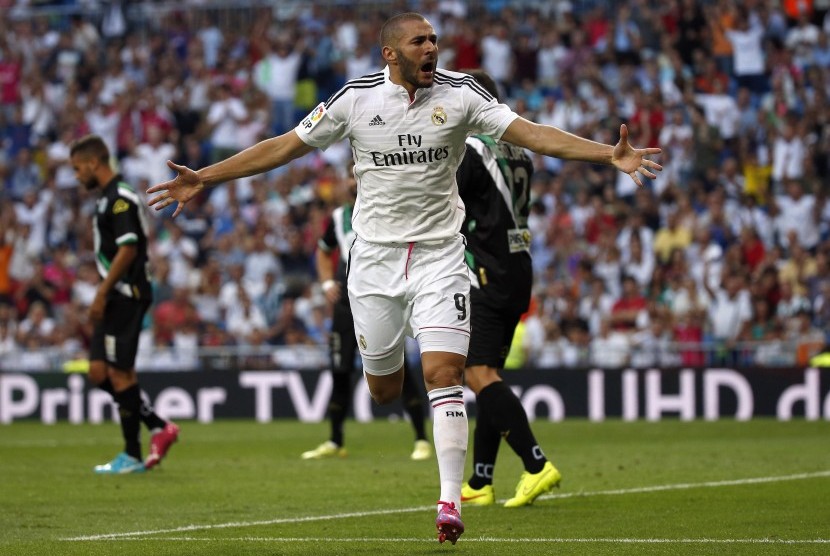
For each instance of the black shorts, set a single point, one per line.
(491, 331)
(342, 342)
(115, 339)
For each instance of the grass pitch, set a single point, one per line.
(760, 487)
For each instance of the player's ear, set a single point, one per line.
(389, 54)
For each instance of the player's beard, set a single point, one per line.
(410, 71)
(92, 183)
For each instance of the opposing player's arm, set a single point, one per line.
(265, 155)
(324, 259)
(552, 141)
(325, 263)
(124, 257)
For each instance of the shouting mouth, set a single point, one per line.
(427, 69)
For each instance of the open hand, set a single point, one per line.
(631, 161)
(180, 189)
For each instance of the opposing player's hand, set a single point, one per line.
(632, 161)
(96, 308)
(180, 189)
(331, 290)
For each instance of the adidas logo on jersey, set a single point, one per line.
(377, 121)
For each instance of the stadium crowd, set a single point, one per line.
(723, 259)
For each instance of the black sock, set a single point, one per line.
(413, 404)
(147, 415)
(129, 409)
(339, 404)
(486, 441)
(501, 405)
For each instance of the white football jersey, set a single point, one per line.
(406, 154)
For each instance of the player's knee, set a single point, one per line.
(479, 377)
(385, 388)
(97, 373)
(443, 370)
(384, 397)
(121, 379)
(385, 392)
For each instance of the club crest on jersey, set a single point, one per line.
(120, 206)
(439, 117)
(362, 342)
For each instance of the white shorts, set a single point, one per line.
(397, 290)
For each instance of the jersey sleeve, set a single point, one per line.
(486, 115)
(125, 224)
(328, 241)
(327, 123)
(469, 173)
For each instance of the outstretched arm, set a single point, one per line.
(265, 155)
(552, 141)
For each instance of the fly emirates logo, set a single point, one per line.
(410, 152)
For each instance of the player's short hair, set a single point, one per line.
(485, 81)
(390, 33)
(91, 146)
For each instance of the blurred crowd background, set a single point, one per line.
(723, 259)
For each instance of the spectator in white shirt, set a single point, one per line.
(103, 117)
(260, 259)
(748, 60)
(37, 325)
(729, 309)
(635, 225)
(556, 351)
(676, 139)
(610, 349)
(497, 56)
(609, 266)
(551, 54)
(360, 62)
(57, 156)
(153, 155)
(181, 252)
(596, 306)
(720, 109)
(797, 212)
(788, 155)
(224, 117)
(244, 319)
(653, 346)
(276, 75)
(639, 262)
(33, 210)
(801, 39)
(8, 345)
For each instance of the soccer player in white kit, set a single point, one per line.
(407, 127)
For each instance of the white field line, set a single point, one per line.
(309, 519)
(683, 486)
(467, 540)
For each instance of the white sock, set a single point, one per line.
(449, 433)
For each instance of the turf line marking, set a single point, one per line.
(467, 540)
(309, 519)
(683, 486)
